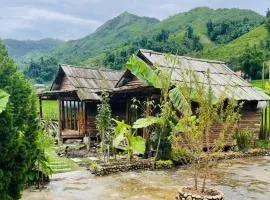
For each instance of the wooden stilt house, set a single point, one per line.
(223, 81)
(78, 89)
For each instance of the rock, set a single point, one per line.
(189, 198)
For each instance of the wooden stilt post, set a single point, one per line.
(40, 109)
(127, 112)
(60, 139)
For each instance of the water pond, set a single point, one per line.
(242, 179)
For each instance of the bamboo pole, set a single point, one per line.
(40, 109)
(263, 76)
(269, 70)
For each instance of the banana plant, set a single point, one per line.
(127, 139)
(143, 72)
(161, 79)
(172, 98)
(4, 98)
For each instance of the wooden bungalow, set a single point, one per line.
(78, 91)
(223, 80)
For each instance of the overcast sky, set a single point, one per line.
(72, 19)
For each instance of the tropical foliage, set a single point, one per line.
(103, 122)
(127, 139)
(171, 100)
(176, 123)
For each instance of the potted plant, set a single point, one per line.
(193, 127)
(193, 133)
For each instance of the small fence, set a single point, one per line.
(265, 122)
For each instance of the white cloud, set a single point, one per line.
(71, 19)
(42, 14)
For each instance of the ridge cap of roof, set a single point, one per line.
(186, 57)
(102, 68)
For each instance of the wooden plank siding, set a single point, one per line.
(118, 112)
(65, 84)
(249, 119)
(91, 112)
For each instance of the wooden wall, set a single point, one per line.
(91, 112)
(250, 119)
(118, 112)
(65, 84)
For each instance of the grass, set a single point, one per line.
(257, 83)
(50, 109)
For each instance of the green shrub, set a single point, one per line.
(262, 144)
(243, 139)
(181, 155)
(93, 166)
(163, 164)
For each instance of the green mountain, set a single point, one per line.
(200, 32)
(111, 35)
(17, 49)
(174, 28)
(236, 47)
(198, 19)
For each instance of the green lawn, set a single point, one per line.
(50, 109)
(259, 83)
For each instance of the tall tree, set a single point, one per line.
(42, 70)
(268, 19)
(18, 129)
(251, 62)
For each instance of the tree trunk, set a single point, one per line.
(204, 183)
(196, 181)
(38, 177)
(157, 150)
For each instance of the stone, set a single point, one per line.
(86, 140)
(189, 198)
(93, 158)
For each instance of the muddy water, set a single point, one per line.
(243, 179)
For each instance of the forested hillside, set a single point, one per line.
(257, 36)
(201, 32)
(112, 35)
(18, 49)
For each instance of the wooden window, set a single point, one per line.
(71, 111)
